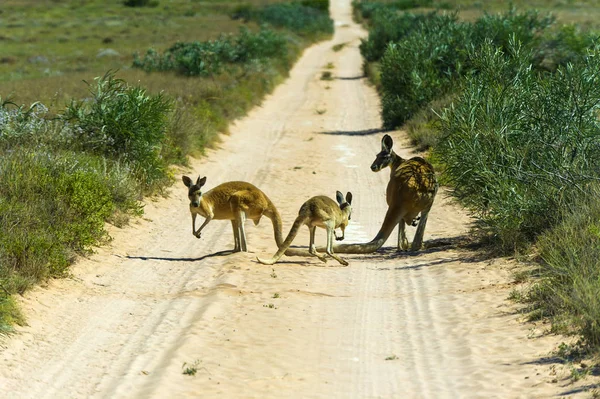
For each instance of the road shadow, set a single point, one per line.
(366, 132)
(350, 77)
(220, 253)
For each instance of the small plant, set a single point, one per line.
(276, 295)
(339, 46)
(392, 357)
(320, 111)
(326, 75)
(273, 274)
(190, 368)
(270, 306)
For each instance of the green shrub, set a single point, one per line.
(123, 123)
(53, 206)
(296, 17)
(570, 272)
(421, 66)
(213, 57)
(517, 144)
(322, 5)
(388, 28)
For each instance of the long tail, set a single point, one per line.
(273, 214)
(368, 247)
(300, 220)
(277, 225)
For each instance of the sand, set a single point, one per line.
(157, 301)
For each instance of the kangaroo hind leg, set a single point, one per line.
(329, 248)
(418, 240)
(312, 248)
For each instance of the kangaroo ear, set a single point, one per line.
(387, 143)
(186, 180)
(339, 197)
(349, 198)
(200, 182)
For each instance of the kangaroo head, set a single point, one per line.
(345, 204)
(194, 190)
(385, 157)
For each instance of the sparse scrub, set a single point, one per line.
(570, 282)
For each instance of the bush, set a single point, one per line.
(213, 57)
(421, 67)
(302, 20)
(53, 206)
(123, 123)
(322, 5)
(517, 144)
(570, 274)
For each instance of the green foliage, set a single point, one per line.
(566, 45)
(425, 55)
(421, 66)
(386, 28)
(123, 123)
(518, 144)
(322, 5)
(52, 206)
(141, 3)
(570, 269)
(213, 57)
(367, 9)
(296, 17)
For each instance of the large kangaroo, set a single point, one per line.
(410, 191)
(319, 211)
(235, 201)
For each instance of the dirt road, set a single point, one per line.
(158, 301)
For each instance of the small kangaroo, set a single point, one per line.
(320, 211)
(410, 192)
(235, 201)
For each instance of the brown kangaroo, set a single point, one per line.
(319, 211)
(235, 201)
(410, 192)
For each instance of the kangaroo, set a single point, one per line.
(319, 211)
(410, 192)
(235, 201)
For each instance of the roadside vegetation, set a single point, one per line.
(507, 101)
(89, 126)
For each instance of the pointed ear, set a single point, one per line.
(200, 182)
(186, 180)
(349, 198)
(387, 143)
(339, 197)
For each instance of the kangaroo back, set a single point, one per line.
(300, 220)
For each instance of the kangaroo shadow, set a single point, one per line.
(219, 253)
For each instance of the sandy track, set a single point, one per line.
(433, 325)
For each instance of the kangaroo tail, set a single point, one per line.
(368, 247)
(277, 225)
(300, 220)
